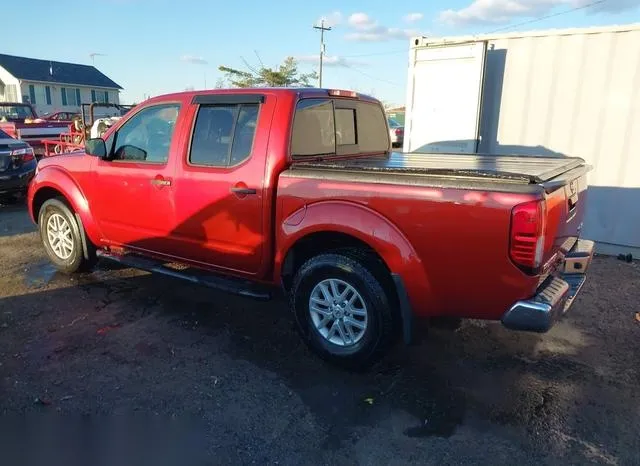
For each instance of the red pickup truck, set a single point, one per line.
(20, 121)
(254, 191)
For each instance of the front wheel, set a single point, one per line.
(342, 311)
(60, 235)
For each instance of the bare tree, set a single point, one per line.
(285, 75)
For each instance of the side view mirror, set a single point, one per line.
(96, 147)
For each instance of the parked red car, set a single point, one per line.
(64, 117)
(255, 190)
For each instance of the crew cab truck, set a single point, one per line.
(254, 191)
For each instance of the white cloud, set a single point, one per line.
(361, 21)
(332, 19)
(413, 17)
(366, 29)
(381, 34)
(194, 60)
(329, 60)
(503, 11)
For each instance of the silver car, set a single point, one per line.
(396, 132)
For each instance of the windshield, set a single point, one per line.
(393, 123)
(15, 112)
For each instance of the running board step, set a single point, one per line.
(231, 285)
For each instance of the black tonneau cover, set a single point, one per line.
(507, 168)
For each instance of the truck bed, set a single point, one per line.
(457, 169)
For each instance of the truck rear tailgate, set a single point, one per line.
(565, 197)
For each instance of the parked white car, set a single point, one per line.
(396, 132)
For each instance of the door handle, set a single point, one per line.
(243, 191)
(160, 182)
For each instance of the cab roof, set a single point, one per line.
(301, 92)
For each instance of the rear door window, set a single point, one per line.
(223, 135)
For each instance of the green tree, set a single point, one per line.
(285, 75)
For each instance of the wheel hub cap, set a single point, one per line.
(338, 312)
(59, 236)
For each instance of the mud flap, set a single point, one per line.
(83, 238)
(405, 309)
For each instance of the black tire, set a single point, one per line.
(362, 275)
(76, 262)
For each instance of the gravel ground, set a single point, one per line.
(101, 363)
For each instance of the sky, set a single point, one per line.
(152, 47)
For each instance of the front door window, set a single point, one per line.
(146, 137)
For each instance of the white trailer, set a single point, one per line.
(573, 92)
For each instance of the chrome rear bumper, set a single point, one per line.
(554, 296)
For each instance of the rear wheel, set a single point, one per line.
(61, 237)
(342, 311)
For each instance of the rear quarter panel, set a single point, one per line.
(449, 245)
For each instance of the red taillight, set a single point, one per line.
(25, 154)
(398, 132)
(526, 245)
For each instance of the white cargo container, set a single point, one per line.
(573, 92)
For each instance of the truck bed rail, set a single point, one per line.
(506, 168)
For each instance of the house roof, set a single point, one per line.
(31, 69)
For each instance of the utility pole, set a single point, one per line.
(322, 28)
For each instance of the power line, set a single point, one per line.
(534, 20)
(552, 15)
(369, 75)
(391, 52)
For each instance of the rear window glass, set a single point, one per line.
(351, 127)
(345, 126)
(15, 112)
(372, 128)
(313, 128)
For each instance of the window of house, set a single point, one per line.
(40, 94)
(32, 94)
(78, 100)
(223, 134)
(70, 96)
(146, 137)
(99, 96)
(330, 127)
(11, 93)
(47, 91)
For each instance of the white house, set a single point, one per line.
(52, 86)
